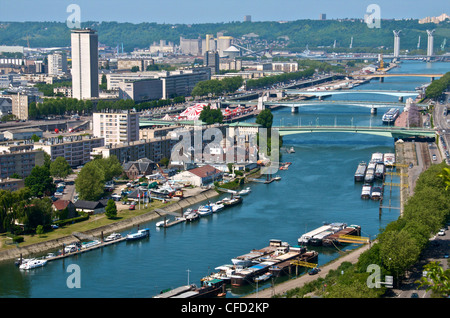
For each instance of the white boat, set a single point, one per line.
(205, 210)
(113, 237)
(35, 263)
(245, 191)
(366, 191)
(70, 248)
(389, 159)
(162, 223)
(138, 235)
(216, 207)
(263, 277)
(90, 244)
(192, 216)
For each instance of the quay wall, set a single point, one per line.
(51, 245)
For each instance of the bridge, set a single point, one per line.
(384, 131)
(375, 75)
(395, 93)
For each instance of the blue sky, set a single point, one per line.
(203, 11)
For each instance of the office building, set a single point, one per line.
(181, 83)
(85, 84)
(211, 60)
(116, 127)
(141, 90)
(322, 16)
(57, 63)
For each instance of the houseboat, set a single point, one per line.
(366, 191)
(360, 172)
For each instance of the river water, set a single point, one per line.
(317, 188)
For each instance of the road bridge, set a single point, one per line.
(383, 75)
(385, 131)
(396, 93)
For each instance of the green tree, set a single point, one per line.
(60, 168)
(111, 209)
(39, 230)
(40, 182)
(437, 279)
(90, 182)
(211, 116)
(265, 118)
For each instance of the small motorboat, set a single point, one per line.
(113, 237)
(192, 216)
(138, 235)
(263, 277)
(162, 223)
(205, 210)
(245, 191)
(35, 263)
(90, 244)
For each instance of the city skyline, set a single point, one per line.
(202, 11)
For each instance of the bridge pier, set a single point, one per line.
(381, 79)
(373, 110)
(400, 99)
(294, 110)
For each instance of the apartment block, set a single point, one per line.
(75, 149)
(20, 162)
(57, 63)
(116, 127)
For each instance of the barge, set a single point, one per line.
(360, 172)
(285, 267)
(370, 172)
(211, 288)
(389, 159)
(379, 171)
(366, 191)
(333, 239)
(317, 239)
(377, 193)
(377, 157)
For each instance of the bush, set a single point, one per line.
(80, 218)
(17, 239)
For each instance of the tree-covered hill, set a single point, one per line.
(314, 33)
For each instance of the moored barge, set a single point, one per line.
(360, 172)
(333, 239)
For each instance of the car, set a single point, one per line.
(446, 255)
(434, 157)
(441, 233)
(414, 295)
(54, 226)
(58, 194)
(132, 207)
(314, 271)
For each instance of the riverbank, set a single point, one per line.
(51, 245)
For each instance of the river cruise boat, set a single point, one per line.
(360, 172)
(377, 157)
(366, 191)
(390, 116)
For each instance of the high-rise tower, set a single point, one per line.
(396, 43)
(84, 63)
(430, 44)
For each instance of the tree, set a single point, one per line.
(60, 168)
(40, 182)
(111, 209)
(265, 118)
(437, 279)
(211, 116)
(90, 182)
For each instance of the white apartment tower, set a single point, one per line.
(57, 63)
(84, 63)
(116, 127)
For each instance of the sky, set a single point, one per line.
(214, 11)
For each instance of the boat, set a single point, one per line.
(379, 171)
(277, 178)
(224, 272)
(360, 172)
(263, 277)
(333, 239)
(366, 191)
(21, 261)
(191, 215)
(70, 248)
(316, 240)
(370, 172)
(89, 244)
(204, 210)
(233, 200)
(389, 159)
(34, 263)
(216, 207)
(390, 116)
(245, 191)
(162, 223)
(377, 157)
(138, 235)
(377, 193)
(113, 237)
(209, 288)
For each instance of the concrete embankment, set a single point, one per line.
(51, 245)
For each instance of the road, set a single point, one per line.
(441, 122)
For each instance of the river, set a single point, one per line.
(317, 188)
